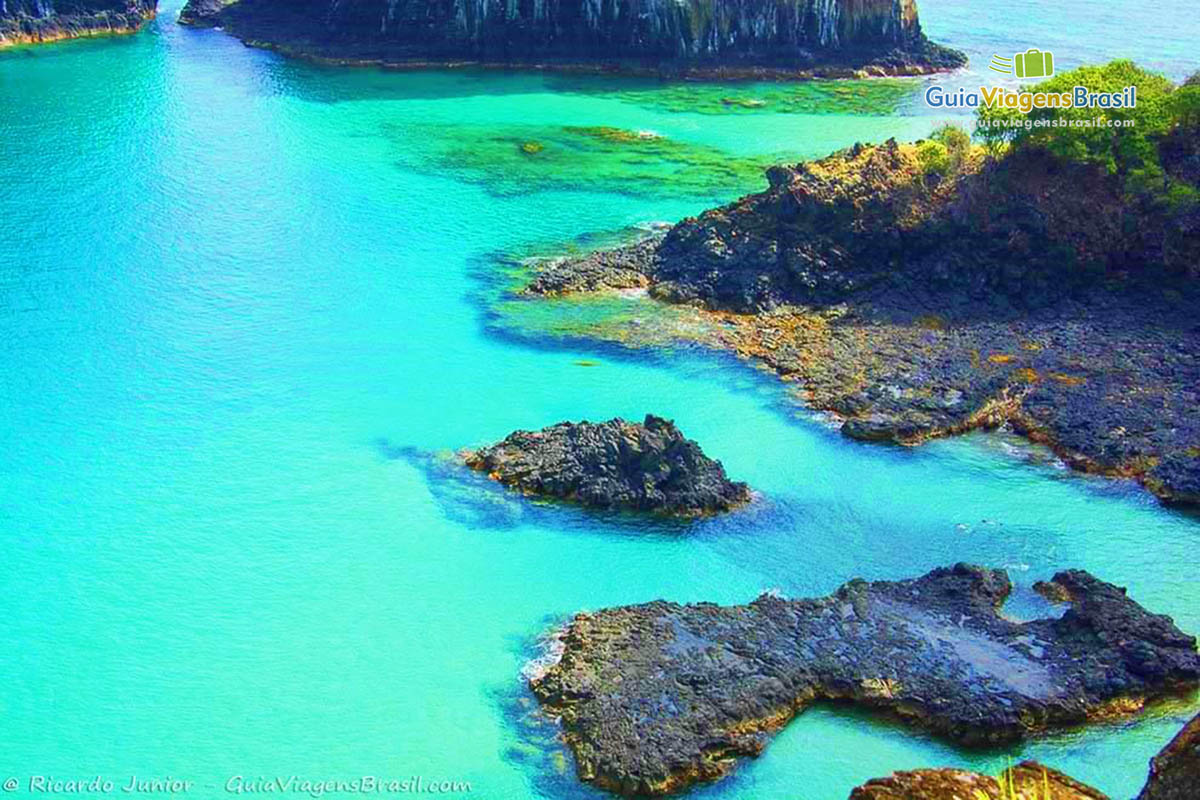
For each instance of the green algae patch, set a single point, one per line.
(517, 160)
(874, 96)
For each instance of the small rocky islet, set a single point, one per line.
(655, 698)
(38, 21)
(1026, 290)
(617, 465)
(707, 38)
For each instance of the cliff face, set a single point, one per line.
(29, 21)
(784, 33)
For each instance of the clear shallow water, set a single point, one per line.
(237, 294)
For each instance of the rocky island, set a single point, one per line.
(656, 697)
(927, 289)
(717, 38)
(616, 464)
(34, 21)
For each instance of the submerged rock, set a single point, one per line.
(1026, 781)
(875, 36)
(1175, 771)
(33, 21)
(659, 696)
(615, 464)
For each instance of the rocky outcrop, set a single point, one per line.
(914, 304)
(613, 465)
(203, 13)
(1175, 772)
(657, 697)
(880, 36)
(1026, 781)
(34, 21)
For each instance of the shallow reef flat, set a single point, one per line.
(654, 698)
(516, 159)
(876, 96)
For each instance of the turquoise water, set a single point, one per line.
(242, 302)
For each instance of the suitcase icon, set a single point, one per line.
(1033, 63)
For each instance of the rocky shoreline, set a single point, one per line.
(1174, 773)
(913, 307)
(692, 40)
(28, 22)
(658, 697)
(647, 467)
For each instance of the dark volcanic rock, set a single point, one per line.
(883, 35)
(614, 464)
(658, 696)
(1027, 292)
(29, 21)
(1175, 772)
(1029, 779)
(203, 13)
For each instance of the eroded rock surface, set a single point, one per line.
(1025, 292)
(616, 464)
(32, 21)
(1175, 772)
(841, 37)
(659, 696)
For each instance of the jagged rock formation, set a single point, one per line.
(1026, 781)
(614, 465)
(659, 696)
(1175, 771)
(1025, 291)
(884, 35)
(32, 21)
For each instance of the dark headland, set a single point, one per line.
(928, 289)
(710, 38)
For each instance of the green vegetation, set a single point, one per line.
(1126, 142)
(934, 158)
(946, 153)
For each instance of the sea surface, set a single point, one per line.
(246, 308)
